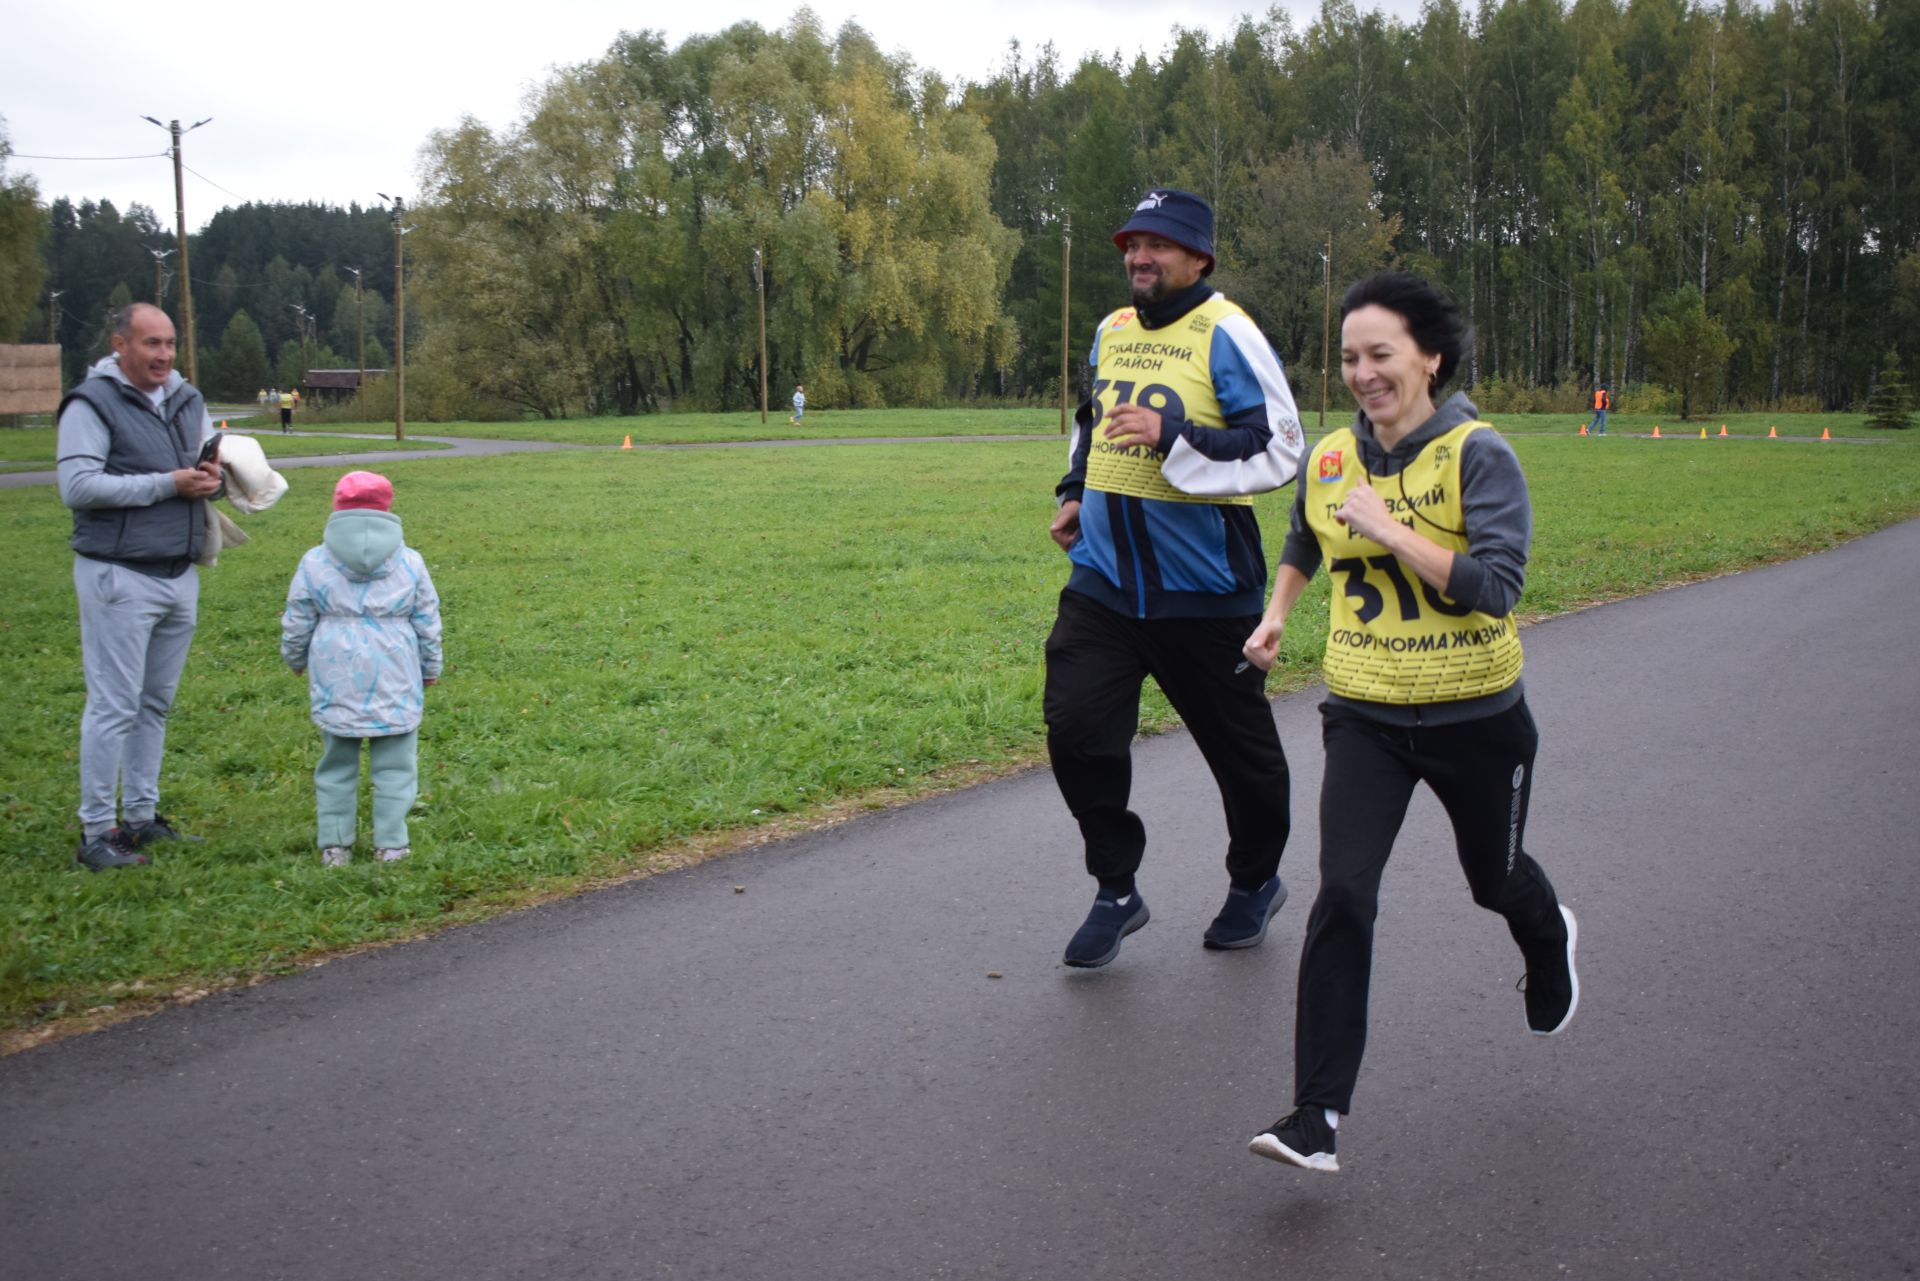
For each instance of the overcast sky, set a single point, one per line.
(309, 102)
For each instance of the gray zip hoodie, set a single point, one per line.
(83, 445)
(1492, 573)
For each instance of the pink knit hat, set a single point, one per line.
(363, 490)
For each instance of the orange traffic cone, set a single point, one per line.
(1656, 431)
(1825, 434)
(1723, 429)
(1773, 433)
(626, 442)
(1583, 429)
(223, 424)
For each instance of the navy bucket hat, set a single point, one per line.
(1180, 216)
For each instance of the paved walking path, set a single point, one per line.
(820, 1077)
(448, 447)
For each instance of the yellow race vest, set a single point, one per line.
(1166, 370)
(1394, 639)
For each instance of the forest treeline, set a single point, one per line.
(1711, 204)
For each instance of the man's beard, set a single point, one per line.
(1153, 293)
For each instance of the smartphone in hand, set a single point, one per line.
(210, 452)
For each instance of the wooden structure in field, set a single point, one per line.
(29, 378)
(335, 384)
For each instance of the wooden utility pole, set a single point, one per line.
(1326, 327)
(760, 283)
(180, 231)
(306, 330)
(53, 313)
(1066, 293)
(399, 319)
(360, 325)
(160, 257)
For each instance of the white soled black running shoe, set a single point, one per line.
(1552, 985)
(1301, 1138)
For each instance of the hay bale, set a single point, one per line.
(29, 378)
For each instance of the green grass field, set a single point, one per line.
(648, 649)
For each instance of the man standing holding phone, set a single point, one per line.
(137, 463)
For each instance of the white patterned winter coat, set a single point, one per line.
(363, 622)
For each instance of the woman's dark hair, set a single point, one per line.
(1431, 318)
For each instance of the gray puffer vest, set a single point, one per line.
(164, 539)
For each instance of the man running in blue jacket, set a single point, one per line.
(1190, 417)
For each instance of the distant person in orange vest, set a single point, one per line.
(286, 413)
(1602, 402)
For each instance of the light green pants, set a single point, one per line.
(336, 787)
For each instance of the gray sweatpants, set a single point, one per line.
(134, 635)
(393, 760)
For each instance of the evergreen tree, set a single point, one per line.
(1891, 404)
(238, 367)
(1687, 349)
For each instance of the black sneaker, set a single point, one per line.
(154, 829)
(1112, 919)
(1301, 1138)
(98, 853)
(1552, 986)
(1243, 917)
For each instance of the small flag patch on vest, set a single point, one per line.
(1120, 318)
(1331, 467)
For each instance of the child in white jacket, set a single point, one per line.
(363, 622)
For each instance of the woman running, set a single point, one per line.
(1422, 517)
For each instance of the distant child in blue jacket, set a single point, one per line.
(363, 622)
(799, 404)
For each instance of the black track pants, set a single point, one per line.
(1482, 772)
(1096, 663)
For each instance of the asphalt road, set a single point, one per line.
(820, 1078)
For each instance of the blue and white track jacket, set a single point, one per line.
(1170, 532)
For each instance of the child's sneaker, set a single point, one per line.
(336, 856)
(393, 853)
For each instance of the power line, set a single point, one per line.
(24, 155)
(238, 284)
(210, 182)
